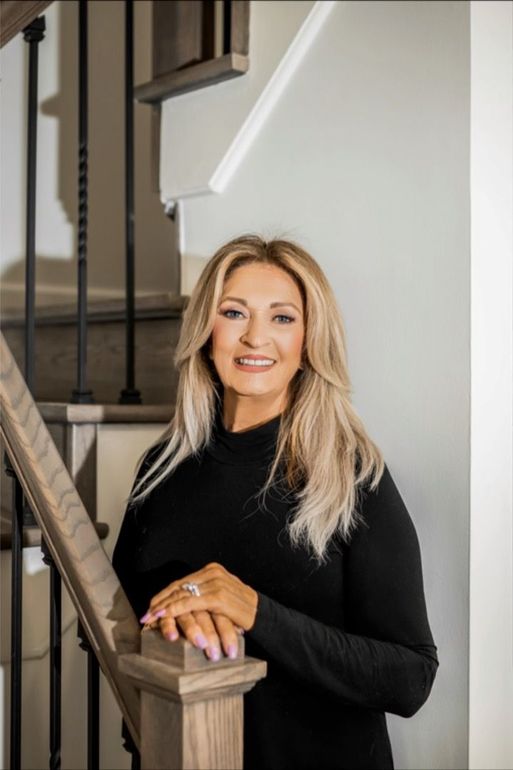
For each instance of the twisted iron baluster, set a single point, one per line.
(81, 394)
(130, 394)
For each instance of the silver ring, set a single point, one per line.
(192, 588)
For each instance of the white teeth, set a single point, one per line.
(253, 362)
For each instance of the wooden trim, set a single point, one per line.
(240, 27)
(168, 681)
(87, 573)
(62, 412)
(200, 75)
(16, 15)
(155, 120)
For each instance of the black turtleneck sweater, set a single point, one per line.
(345, 642)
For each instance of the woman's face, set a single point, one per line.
(260, 316)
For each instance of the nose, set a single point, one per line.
(255, 334)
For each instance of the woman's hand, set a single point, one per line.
(208, 631)
(221, 594)
(211, 632)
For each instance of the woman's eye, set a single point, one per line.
(288, 318)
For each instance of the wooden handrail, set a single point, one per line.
(94, 588)
(16, 15)
(32, 535)
(191, 708)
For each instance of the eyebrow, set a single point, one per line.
(273, 304)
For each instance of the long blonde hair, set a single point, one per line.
(322, 443)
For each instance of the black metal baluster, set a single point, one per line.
(81, 394)
(55, 659)
(21, 514)
(129, 395)
(16, 617)
(32, 34)
(93, 701)
(227, 26)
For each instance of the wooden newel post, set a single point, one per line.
(191, 708)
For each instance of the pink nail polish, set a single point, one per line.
(145, 618)
(160, 614)
(232, 651)
(172, 636)
(201, 641)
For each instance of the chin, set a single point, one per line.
(249, 389)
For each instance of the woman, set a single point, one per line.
(265, 508)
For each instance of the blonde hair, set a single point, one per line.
(326, 453)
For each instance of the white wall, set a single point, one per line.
(207, 123)
(491, 552)
(365, 161)
(57, 164)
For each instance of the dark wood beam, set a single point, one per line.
(206, 73)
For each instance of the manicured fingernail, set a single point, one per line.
(232, 651)
(201, 641)
(172, 636)
(214, 653)
(145, 617)
(160, 614)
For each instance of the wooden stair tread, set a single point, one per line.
(163, 305)
(157, 332)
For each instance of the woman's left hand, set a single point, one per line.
(220, 592)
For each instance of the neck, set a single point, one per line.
(244, 413)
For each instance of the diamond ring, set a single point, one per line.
(192, 588)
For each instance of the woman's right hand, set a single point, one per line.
(212, 632)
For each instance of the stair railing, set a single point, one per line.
(190, 711)
(69, 533)
(23, 18)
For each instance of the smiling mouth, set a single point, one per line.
(255, 363)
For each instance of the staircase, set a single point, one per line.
(63, 440)
(155, 684)
(157, 329)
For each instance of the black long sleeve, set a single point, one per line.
(390, 664)
(345, 641)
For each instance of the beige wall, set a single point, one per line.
(56, 235)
